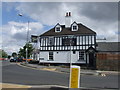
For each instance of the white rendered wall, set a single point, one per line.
(44, 55)
(74, 57)
(68, 21)
(61, 57)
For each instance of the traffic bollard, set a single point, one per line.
(74, 77)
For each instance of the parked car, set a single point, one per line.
(12, 59)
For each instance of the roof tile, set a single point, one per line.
(82, 30)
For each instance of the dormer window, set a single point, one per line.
(74, 26)
(58, 28)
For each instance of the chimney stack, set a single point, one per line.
(68, 20)
(66, 14)
(69, 13)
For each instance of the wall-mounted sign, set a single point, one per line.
(34, 39)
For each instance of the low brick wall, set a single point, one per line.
(108, 61)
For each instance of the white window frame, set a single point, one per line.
(58, 26)
(57, 29)
(74, 25)
(51, 56)
(81, 57)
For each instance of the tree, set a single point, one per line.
(14, 54)
(22, 51)
(3, 54)
(9, 56)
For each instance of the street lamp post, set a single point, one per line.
(26, 54)
(28, 32)
(27, 40)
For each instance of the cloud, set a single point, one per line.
(14, 34)
(104, 11)
(102, 17)
(47, 13)
(21, 29)
(109, 31)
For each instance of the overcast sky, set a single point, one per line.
(102, 17)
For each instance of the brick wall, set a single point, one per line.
(107, 61)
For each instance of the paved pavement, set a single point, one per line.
(7, 86)
(61, 69)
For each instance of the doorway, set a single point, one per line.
(91, 59)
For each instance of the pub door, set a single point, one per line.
(91, 59)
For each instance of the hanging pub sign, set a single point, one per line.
(34, 38)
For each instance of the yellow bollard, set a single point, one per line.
(74, 77)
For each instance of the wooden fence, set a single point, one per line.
(108, 61)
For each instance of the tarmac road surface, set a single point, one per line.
(12, 73)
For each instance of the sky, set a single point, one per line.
(101, 17)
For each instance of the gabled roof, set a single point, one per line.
(57, 24)
(108, 46)
(91, 48)
(73, 23)
(82, 30)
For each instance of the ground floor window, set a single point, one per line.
(50, 55)
(81, 55)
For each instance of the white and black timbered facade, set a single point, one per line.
(70, 41)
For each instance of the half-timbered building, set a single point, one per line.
(72, 42)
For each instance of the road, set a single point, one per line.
(13, 73)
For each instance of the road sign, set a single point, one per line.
(75, 77)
